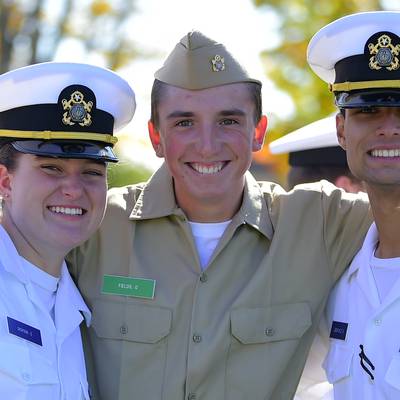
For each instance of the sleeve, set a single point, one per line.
(346, 219)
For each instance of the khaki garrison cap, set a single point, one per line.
(198, 62)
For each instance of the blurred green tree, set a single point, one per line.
(287, 67)
(126, 173)
(32, 31)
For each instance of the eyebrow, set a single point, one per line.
(180, 114)
(189, 114)
(234, 111)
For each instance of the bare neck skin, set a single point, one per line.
(385, 203)
(49, 261)
(211, 210)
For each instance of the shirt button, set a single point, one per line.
(203, 278)
(191, 396)
(123, 329)
(197, 338)
(377, 321)
(26, 377)
(270, 331)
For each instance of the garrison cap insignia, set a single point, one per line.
(218, 63)
(77, 110)
(383, 52)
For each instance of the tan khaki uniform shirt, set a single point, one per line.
(239, 331)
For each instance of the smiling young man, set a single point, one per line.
(363, 311)
(209, 137)
(203, 283)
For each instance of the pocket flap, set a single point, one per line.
(393, 373)
(128, 321)
(15, 361)
(337, 363)
(270, 324)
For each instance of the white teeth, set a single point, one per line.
(66, 210)
(386, 153)
(202, 169)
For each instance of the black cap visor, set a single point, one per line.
(369, 98)
(333, 156)
(66, 149)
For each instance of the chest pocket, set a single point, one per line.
(337, 363)
(17, 372)
(130, 339)
(132, 322)
(262, 337)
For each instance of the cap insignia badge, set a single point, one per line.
(384, 54)
(77, 110)
(218, 63)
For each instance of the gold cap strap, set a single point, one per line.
(348, 86)
(48, 135)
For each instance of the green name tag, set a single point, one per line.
(124, 286)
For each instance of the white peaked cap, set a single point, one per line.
(318, 134)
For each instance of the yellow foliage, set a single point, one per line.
(100, 7)
(15, 19)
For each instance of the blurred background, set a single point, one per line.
(133, 37)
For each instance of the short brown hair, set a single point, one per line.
(159, 88)
(8, 156)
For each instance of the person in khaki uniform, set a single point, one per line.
(203, 283)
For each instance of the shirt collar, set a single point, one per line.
(68, 290)
(254, 210)
(363, 256)
(157, 199)
(10, 259)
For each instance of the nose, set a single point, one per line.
(207, 141)
(72, 187)
(390, 125)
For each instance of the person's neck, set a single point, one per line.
(48, 261)
(385, 204)
(219, 211)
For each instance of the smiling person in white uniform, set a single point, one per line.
(359, 56)
(56, 137)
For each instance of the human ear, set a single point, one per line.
(155, 138)
(5, 181)
(340, 130)
(259, 133)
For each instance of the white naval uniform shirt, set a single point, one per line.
(375, 325)
(54, 370)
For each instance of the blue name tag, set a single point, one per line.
(24, 331)
(338, 330)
